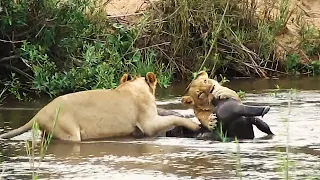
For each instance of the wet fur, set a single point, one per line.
(98, 114)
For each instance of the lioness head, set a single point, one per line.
(199, 91)
(150, 80)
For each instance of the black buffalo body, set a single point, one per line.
(234, 120)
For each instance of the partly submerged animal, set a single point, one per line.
(96, 114)
(215, 104)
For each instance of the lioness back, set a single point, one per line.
(91, 113)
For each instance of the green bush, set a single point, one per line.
(71, 46)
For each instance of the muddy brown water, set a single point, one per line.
(183, 158)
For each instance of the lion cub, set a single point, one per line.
(97, 114)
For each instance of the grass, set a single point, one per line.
(284, 162)
(44, 144)
(286, 165)
(238, 160)
(227, 36)
(2, 94)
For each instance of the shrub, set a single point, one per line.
(67, 46)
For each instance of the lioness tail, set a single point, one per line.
(17, 131)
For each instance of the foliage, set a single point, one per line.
(224, 35)
(41, 149)
(292, 63)
(15, 87)
(56, 47)
(242, 94)
(295, 66)
(66, 46)
(309, 62)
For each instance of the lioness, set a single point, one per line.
(203, 93)
(96, 114)
(198, 96)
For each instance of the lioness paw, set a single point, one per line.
(212, 122)
(212, 117)
(223, 96)
(197, 128)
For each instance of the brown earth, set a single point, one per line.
(303, 13)
(126, 7)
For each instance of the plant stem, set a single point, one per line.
(215, 37)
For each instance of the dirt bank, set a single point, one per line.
(304, 14)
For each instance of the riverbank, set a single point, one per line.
(53, 48)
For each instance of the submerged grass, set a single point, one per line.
(238, 160)
(286, 165)
(43, 146)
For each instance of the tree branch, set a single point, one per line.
(17, 71)
(9, 58)
(12, 42)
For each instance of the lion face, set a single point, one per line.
(200, 92)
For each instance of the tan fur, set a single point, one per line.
(97, 114)
(200, 93)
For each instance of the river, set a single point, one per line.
(184, 158)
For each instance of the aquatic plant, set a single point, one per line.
(32, 148)
(238, 160)
(242, 94)
(285, 163)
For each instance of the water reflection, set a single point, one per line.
(251, 85)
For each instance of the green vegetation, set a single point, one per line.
(55, 47)
(285, 164)
(242, 94)
(238, 158)
(227, 36)
(32, 148)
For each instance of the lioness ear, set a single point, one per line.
(202, 74)
(187, 100)
(125, 77)
(151, 78)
